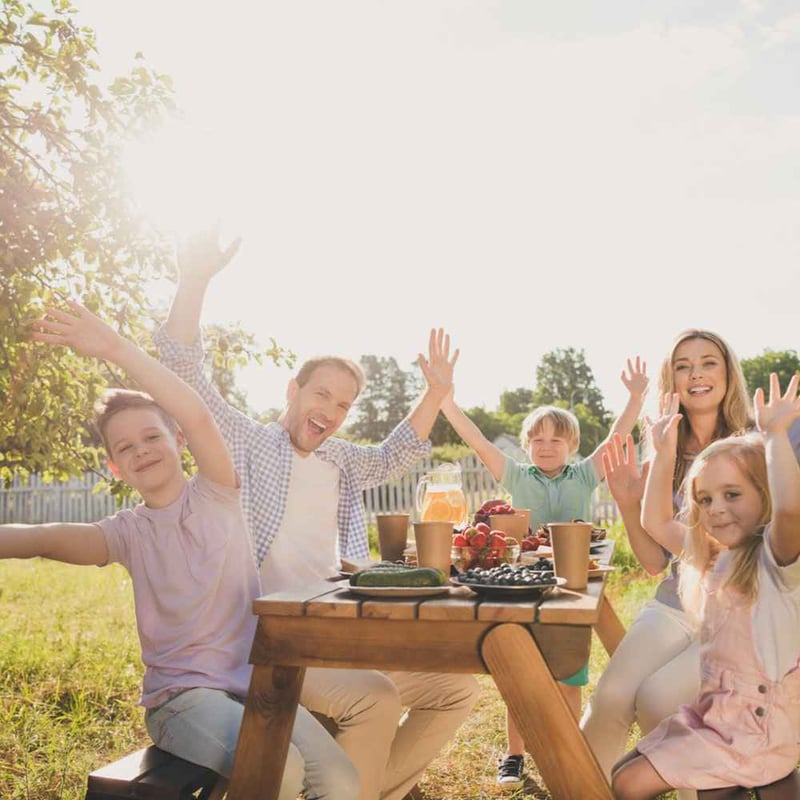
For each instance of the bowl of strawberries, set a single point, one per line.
(480, 546)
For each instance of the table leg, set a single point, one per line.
(608, 627)
(265, 733)
(567, 765)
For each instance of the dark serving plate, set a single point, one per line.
(490, 590)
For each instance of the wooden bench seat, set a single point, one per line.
(151, 774)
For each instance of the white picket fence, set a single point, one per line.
(81, 500)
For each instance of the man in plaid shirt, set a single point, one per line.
(302, 498)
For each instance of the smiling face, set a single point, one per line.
(699, 374)
(145, 453)
(548, 449)
(318, 408)
(730, 506)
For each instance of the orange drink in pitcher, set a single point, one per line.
(440, 497)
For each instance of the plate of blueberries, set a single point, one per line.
(507, 581)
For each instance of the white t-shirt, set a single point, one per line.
(776, 612)
(305, 548)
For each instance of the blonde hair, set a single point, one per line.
(564, 422)
(735, 413)
(701, 549)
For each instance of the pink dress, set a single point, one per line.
(744, 728)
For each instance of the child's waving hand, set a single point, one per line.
(781, 410)
(80, 329)
(636, 380)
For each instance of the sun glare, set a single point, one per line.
(175, 179)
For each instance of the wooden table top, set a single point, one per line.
(333, 599)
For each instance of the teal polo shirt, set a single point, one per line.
(565, 497)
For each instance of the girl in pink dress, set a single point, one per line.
(741, 583)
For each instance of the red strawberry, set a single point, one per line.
(497, 541)
(459, 540)
(478, 539)
(528, 545)
(483, 528)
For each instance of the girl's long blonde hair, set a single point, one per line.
(736, 410)
(701, 549)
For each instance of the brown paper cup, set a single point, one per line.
(515, 525)
(434, 543)
(570, 541)
(392, 535)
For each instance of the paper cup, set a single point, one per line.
(515, 525)
(392, 535)
(570, 542)
(434, 542)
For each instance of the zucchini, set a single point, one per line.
(399, 576)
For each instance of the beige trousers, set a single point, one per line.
(391, 724)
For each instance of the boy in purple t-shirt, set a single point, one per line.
(188, 552)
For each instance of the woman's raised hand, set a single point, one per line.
(781, 410)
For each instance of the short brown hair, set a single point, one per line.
(343, 364)
(112, 401)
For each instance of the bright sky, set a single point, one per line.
(530, 175)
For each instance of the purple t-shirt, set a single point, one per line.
(194, 580)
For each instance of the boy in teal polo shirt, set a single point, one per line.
(554, 491)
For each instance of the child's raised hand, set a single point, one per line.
(438, 367)
(625, 480)
(781, 410)
(664, 431)
(80, 329)
(636, 380)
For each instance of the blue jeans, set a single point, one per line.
(202, 726)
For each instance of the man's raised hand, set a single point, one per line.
(200, 256)
(438, 367)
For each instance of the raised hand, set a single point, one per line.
(200, 256)
(636, 380)
(81, 330)
(625, 480)
(438, 367)
(781, 410)
(664, 431)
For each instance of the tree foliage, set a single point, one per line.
(67, 227)
(757, 369)
(385, 400)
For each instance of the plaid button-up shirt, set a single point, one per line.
(262, 455)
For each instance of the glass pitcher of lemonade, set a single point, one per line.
(440, 497)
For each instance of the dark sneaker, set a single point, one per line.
(509, 772)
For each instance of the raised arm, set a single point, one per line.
(90, 336)
(783, 473)
(626, 484)
(438, 372)
(657, 512)
(636, 382)
(73, 543)
(492, 457)
(199, 259)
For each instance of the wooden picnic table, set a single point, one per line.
(525, 645)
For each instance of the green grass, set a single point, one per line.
(70, 678)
